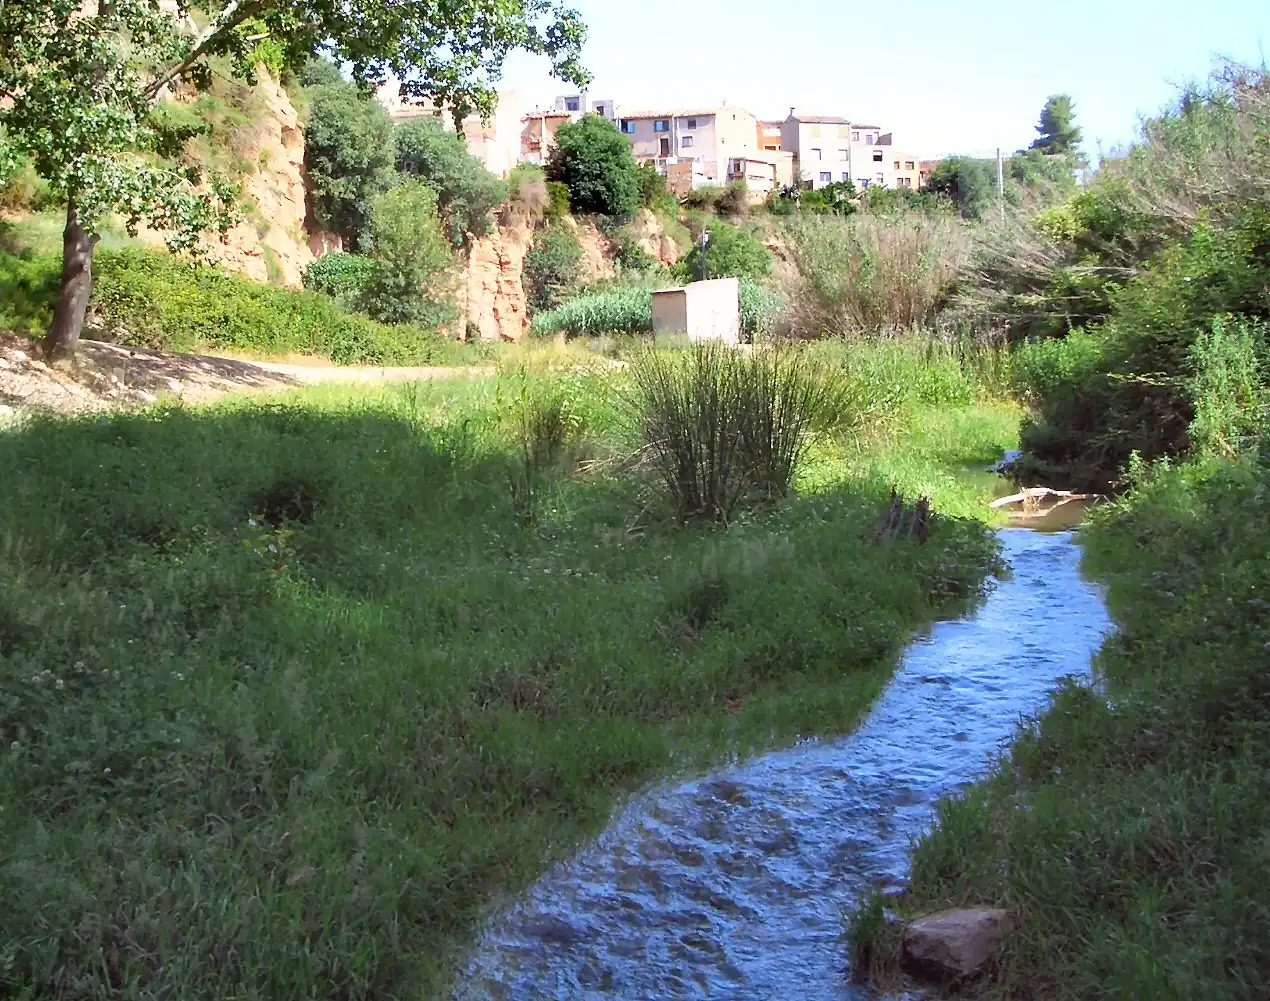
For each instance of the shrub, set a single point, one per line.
(734, 201)
(653, 192)
(410, 277)
(837, 198)
(341, 276)
(704, 198)
(558, 205)
(552, 267)
(29, 286)
(730, 253)
(466, 191)
(866, 275)
(594, 159)
(150, 299)
(720, 425)
(348, 157)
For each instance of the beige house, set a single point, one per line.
(831, 149)
(708, 138)
(496, 143)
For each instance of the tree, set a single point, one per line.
(730, 253)
(348, 158)
(78, 82)
(552, 267)
(595, 160)
(969, 183)
(466, 191)
(409, 277)
(1058, 130)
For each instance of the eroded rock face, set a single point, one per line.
(492, 295)
(953, 944)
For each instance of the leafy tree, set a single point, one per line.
(594, 159)
(466, 191)
(411, 260)
(969, 183)
(341, 276)
(730, 253)
(553, 267)
(1058, 130)
(78, 82)
(837, 198)
(348, 157)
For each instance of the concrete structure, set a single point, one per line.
(769, 136)
(709, 310)
(538, 134)
(762, 172)
(496, 143)
(707, 137)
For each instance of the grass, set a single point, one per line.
(290, 692)
(1126, 826)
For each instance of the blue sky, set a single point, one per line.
(946, 77)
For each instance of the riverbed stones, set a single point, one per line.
(954, 944)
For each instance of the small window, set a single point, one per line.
(877, 157)
(906, 182)
(691, 123)
(815, 131)
(855, 137)
(842, 131)
(816, 155)
(908, 165)
(685, 142)
(599, 110)
(843, 155)
(826, 177)
(573, 104)
(628, 126)
(661, 125)
(845, 177)
(882, 179)
(864, 182)
(868, 140)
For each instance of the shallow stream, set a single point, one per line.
(734, 885)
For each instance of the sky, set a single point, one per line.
(945, 76)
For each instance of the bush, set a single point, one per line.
(704, 198)
(150, 299)
(866, 275)
(341, 276)
(411, 273)
(731, 253)
(653, 192)
(595, 161)
(466, 191)
(348, 158)
(734, 201)
(553, 267)
(837, 198)
(29, 286)
(721, 425)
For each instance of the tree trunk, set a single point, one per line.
(77, 287)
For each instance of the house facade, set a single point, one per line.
(711, 140)
(496, 143)
(830, 149)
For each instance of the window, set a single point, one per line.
(573, 104)
(661, 125)
(843, 155)
(628, 126)
(897, 164)
(843, 131)
(882, 179)
(908, 164)
(816, 155)
(691, 123)
(855, 137)
(826, 177)
(869, 139)
(905, 182)
(599, 110)
(845, 177)
(877, 157)
(815, 131)
(864, 183)
(685, 142)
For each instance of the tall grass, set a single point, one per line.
(866, 274)
(720, 425)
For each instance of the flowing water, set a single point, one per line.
(734, 885)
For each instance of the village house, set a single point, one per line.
(695, 147)
(830, 150)
(496, 143)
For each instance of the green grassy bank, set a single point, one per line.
(1127, 828)
(289, 692)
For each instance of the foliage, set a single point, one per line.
(410, 278)
(466, 191)
(721, 425)
(731, 252)
(594, 159)
(547, 425)
(553, 267)
(1150, 782)
(558, 200)
(312, 771)
(628, 309)
(1058, 131)
(838, 198)
(146, 299)
(348, 158)
(866, 275)
(654, 194)
(704, 198)
(341, 276)
(882, 201)
(734, 200)
(969, 183)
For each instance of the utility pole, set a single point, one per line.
(705, 263)
(1001, 183)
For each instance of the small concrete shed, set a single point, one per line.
(709, 310)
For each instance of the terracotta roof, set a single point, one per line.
(673, 113)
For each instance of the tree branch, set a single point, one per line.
(232, 16)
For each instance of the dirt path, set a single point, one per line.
(110, 377)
